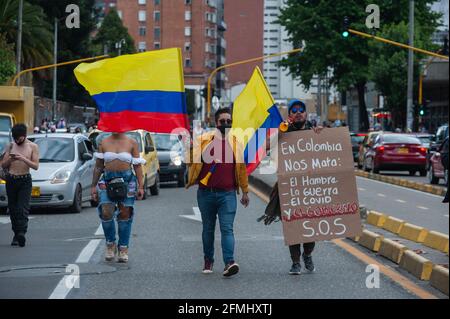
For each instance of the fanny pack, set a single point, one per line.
(117, 189)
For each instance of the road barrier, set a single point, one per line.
(428, 188)
(417, 265)
(394, 225)
(437, 240)
(370, 240)
(439, 278)
(375, 218)
(392, 250)
(413, 232)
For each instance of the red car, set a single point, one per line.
(436, 170)
(397, 152)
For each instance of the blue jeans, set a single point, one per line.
(124, 226)
(223, 204)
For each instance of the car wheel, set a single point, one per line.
(181, 180)
(412, 173)
(423, 172)
(77, 201)
(93, 203)
(154, 190)
(3, 210)
(431, 178)
(375, 169)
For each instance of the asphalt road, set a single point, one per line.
(166, 259)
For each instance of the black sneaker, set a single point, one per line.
(21, 239)
(296, 269)
(309, 265)
(15, 242)
(231, 269)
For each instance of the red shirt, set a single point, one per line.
(224, 176)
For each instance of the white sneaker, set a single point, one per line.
(123, 255)
(110, 254)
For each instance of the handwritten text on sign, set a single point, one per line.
(317, 186)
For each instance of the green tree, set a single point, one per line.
(37, 37)
(73, 44)
(388, 66)
(316, 25)
(7, 63)
(112, 31)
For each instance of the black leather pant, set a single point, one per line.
(18, 191)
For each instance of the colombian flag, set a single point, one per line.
(255, 117)
(138, 91)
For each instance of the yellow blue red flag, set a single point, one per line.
(255, 117)
(138, 91)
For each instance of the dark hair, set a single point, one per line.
(226, 110)
(19, 130)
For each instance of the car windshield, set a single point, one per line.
(134, 135)
(357, 139)
(167, 142)
(5, 124)
(426, 140)
(404, 139)
(4, 141)
(52, 149)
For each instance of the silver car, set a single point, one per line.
(65, 172)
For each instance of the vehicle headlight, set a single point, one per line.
(61, 177)
(2, 181)
(177, 160)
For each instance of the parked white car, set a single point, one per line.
(65, 172)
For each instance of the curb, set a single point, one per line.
(375, 218)
(370, 240)
(437, 240)
(417, 265)
(427, 188)
(413, 233)
(394, 225)
(392, 250)
(439, 279)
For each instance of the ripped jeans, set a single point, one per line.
(109, 210)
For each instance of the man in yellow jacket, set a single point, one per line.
(217, 166)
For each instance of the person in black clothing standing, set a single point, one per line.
(297, 122)
(444, 159)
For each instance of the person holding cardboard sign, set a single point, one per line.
(297, 121)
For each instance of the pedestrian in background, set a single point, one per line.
(444, 159)
(219, 180)
(17, 161)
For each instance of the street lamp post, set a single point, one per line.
(19, 39)
(409, 105)
(55, 69)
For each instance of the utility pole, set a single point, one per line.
(55, 69)
(409, 105)
(19, 40)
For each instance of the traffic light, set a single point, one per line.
(422, 110)
(345, 27)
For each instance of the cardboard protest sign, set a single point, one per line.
(317, 186)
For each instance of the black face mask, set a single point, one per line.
(299, 125)
(223, 127)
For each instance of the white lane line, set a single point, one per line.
(361, 189)
(400, 201)
(381, 195)
(7, 220)
(99, 231)
(64, 286)
(422, 207)
(197, 215)
(68, 282)
(401, 187)
(88, 251)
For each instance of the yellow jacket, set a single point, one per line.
(195, 167)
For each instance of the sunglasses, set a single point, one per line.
(223, 121)
(298, 109)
